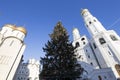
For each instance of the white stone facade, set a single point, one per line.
(11, 50)
(28, 71)
(100, 55)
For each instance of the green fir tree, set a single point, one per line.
(60, 62)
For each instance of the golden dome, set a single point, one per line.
(21, 29)
(10, 26)
(84, 11)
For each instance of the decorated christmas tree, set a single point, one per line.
(60, 62)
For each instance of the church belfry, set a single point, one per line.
(93, 25)
(76, 34)
(104, 44)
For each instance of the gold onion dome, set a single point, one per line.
(22, 30)
(83, 11)
(10, 26)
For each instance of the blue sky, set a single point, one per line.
(40, 16)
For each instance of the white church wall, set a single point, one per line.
(11, 51)
(9, 56)
(22, 72)
(28, 71)
(102, 74)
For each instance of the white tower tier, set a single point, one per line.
(93, 25)
(76, 34)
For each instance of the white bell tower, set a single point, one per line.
(83, 51)
(105, 43)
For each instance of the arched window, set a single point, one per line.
(87, 25)
(88, 56)
(113, 38)
(117, 67)
(102, 41)
(99, 77)
(18, 78)
(91, 63)
(94, 46)
(94, 20)
(90, 22)
(77, 44)
(82, 39)
(29, 78)
(118, 78)
(36, 78)
(109, 53)
(84, 43)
